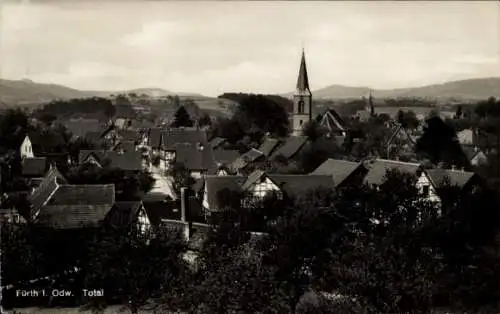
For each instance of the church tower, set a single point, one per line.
(302, 100)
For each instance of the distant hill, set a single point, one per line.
(26, 91)
(29, 93)
(470, 89)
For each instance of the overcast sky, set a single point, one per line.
(214, 47)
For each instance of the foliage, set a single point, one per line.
(182, 118)
(78, 107)
(408, 119)
(132, 269)
(205, 120)
(313, 130)
(14, 126)
(181, 176)
(440, 144)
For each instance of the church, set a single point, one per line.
(302, 107)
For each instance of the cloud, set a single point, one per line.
(150, 34)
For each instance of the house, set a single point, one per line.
(242, 163)
(342, 171)
(268, 146)
(217, 142)
(77, 206)
(399, 143)
(258, 185)
(224, 157)
(128, 161)
(45, 189)
(80, 127)
(465, 181)
(466, 137)
(26, 148)
(332, 122)
(291, 148)
(377, 170)
(198, 159)
(163, 142)
(475, 155)
(124, 146)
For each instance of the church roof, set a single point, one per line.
(303, 79)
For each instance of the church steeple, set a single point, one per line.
(302, 99)
(303, 79)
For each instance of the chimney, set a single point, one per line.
(183, 204)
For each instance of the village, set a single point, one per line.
(195, 176)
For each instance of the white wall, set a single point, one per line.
(26, 149)
(424, 180)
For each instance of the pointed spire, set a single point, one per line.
(303, 80)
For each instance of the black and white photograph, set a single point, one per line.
(249, 157)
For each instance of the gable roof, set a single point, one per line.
(454, 177)
(399, 129)
(83, 194)
(378, 168)
(296, 184)
(470, 151)
(81, 127)
(171, 137)
(332, 120)
(225, 156)
(291, 147)
(129, 160)
(244, 160)
(46, 188)
(252, 178)
(126, 145)
(154, 138)
(214, 184)
(34, 167)
(268, 146)
(124, 213)
(338, 169)
(195, 158)
(217, 141)
(73, 216)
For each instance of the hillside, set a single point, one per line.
(464, 89)
(26, 91)
(29, 93)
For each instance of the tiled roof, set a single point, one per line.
(73, 216)
(195, 158)
(123, 214)
(378, 168)
(154, 139)
(91, 194)
(215, 184)
(268, 146)
(252, 178)
(129, 160)
(171, 137)
(245, 159)
(217, 141)
(225, 156)
(470, 151)
(34, 167)
(338, 169)
(126, 145)
(45, 189)
(80, 127)
(291, 146)
(294, 185)
(128, 135)
(454, 177)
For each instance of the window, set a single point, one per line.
(301, 106)
(425, 190)
(300, 122)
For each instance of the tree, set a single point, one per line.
(440, 144)
(205, 120)
(313, 131)
(182, 118)
(458, 113)
(181, 176)
(132, 269)
(48, 119)
(408, 119)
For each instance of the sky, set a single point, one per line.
(247, 46)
